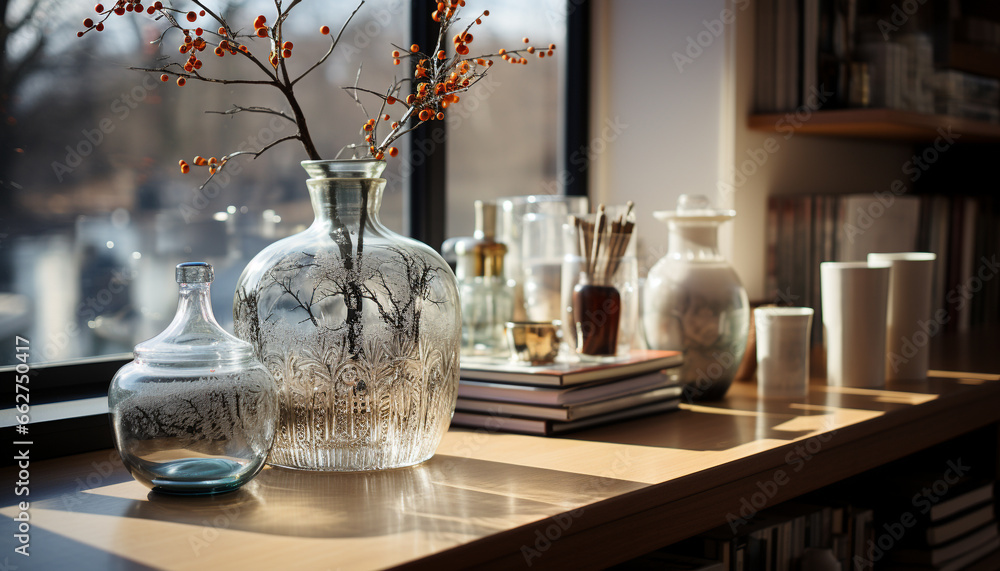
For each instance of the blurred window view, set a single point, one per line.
(505, 138)
(94, 212)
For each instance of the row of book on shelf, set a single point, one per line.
(963, 232)
(561, 397)
(907, 527)
(827, 53)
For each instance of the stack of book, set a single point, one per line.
(949, 534)
(558, 398)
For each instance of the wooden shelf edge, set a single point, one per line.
(973, 59)
(883, 124)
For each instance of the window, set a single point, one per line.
(504, 139)
(94, 213)
(95, 210)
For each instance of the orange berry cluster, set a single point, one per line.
(512, 57)
(260, 28)
(448, 9)
(369, 129)
(213, 164)
(120, 8)
(440, 80)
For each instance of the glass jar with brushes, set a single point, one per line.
(600, 294)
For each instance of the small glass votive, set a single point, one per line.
(541, 265)
(535, 342)
(783, 335)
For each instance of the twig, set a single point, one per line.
(240, 109)
(333, 46)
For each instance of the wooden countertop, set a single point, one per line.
(602, 496)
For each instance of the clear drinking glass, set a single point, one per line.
(195, 412)
(531, 228)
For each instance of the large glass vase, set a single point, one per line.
(360, 327)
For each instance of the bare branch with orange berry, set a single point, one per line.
(438, 79)
(204, 29)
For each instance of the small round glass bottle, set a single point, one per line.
(195, 412)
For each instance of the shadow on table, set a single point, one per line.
(740, 418)
(338, 505)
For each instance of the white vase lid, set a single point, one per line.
(694, 208)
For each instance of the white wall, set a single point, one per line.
(671, 143)
(687, 128)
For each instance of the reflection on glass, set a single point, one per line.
(94, 213)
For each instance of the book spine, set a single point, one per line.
(967, 268)
(786, 268)
(773, 222)
(816, 256)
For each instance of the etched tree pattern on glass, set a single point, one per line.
(359, 326)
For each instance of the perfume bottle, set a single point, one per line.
(487, 301)
(196, 411)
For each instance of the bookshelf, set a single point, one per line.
(881, 124)
(937, 73)
(973, 59)
(918, 64)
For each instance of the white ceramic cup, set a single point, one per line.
(783, 335)
(855, 300)
(910, 284)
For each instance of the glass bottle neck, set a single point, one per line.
(346, 202)
(194, 312)
(694, 241)
(194, 336)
